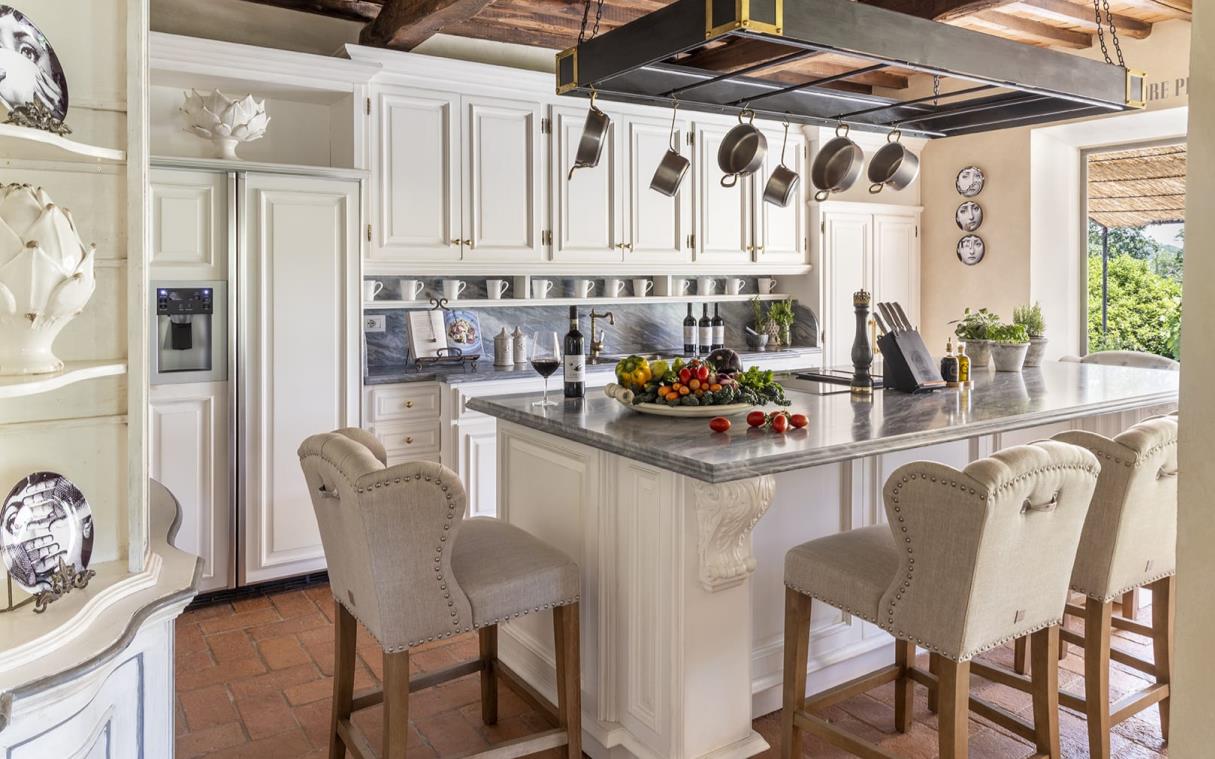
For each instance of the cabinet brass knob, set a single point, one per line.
(469, 243)
(627, 245)
(408, 404)
(408, 441)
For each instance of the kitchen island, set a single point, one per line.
(681, 533)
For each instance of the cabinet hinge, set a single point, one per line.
(822, 226)
(692, 241)
(546, 237)
(691, 138)
(546, 125)
(368, 106)
(368, 233)
(917, 230)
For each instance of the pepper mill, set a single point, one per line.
(862, 352)
(502, 349)
(519, 341)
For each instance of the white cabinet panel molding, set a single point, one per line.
(780, 233)
(189, 224)
(586, 207)
(504, 179)
(722, 213)
(659, 227)
(847, 267)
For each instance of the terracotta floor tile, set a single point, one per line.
(188, 637)
(266, 715)
(321, 653)
(208, 707)
(226, 672)
(251, 603)
(293, 604)
(306, 693)
(282, 652)
(208, 612)
(314, 719)
(290, 745)
(204, 742)
(230, 645)
(190, 661)
(239, 621)
(291, 626)
(451, 735)
(273, 682)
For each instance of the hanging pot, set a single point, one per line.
(594, 137)
(837, 165)
(784, 180)
(673, 167)
(893, 166)
(742, 150)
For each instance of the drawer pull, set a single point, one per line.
(408, 404)
(408, 440)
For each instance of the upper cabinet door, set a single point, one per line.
(417, 208)
(847, 267)
(722, 214)
(504, 169)
(657, 227)
(896, 261)
(190, 237)
(781, 232)
(586, 204)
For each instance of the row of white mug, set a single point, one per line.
(613, 287)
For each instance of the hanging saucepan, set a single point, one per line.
(782, 183)
(673, 167)
(742, 150)
(893, 166)
(837, 165)
(594, 136)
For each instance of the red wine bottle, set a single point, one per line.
(706, 331)
(575, 361)
(719, 330)
(689, 333)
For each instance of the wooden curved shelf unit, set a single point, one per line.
(72, 372)
(23, 143)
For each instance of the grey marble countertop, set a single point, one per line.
(486, 371)
(842, 428)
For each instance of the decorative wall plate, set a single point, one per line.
(30, 71)
(971, 249)
(970, 181)
(969, 216)
(44, 519)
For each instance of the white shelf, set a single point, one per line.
(72, 372)
(592, 301)
(25, 144)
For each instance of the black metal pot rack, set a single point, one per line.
(1013, 84)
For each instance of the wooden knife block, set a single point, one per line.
(907, 365)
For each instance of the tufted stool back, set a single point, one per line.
(1130, 536)
(387, 535)
(985, 553)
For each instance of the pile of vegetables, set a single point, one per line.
(716, 381)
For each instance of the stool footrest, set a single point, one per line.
(371, 698)
(1133, 703)
(1122, 657)
(845, 691)
(821, 728)
(1002, 676)
(1002, 717)
(525, 746)
(1121, 623)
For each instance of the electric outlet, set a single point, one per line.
(373, 323)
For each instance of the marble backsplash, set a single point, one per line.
(638, 327)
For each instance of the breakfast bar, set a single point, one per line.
(681, 533)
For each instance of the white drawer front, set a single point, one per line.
(406, 401)
(409, 439)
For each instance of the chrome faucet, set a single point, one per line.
(597, 337)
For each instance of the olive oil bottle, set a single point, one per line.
(950, 366)
(964, 367)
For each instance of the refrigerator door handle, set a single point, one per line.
(236, 359)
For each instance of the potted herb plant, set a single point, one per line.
(973, 329)
(1009, 344)
(781, 315)
(1031, 318)
(757, 333)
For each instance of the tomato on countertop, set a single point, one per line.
(719, 424)
(757, 418)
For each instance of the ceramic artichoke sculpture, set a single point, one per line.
(226, 121)
(46, 278)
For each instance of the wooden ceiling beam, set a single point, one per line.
(349, 10)
(1036, 30)
(405, 24)
(1078, 15)
(939, 10)
(735, 54)
(1183, 9)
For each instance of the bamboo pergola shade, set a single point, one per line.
(1132, 188)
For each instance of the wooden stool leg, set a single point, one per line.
(797, 651)
(954, 700)
(343, 677)
(489, 674)
(1097, 676)
(1163, 612)
(1046, 691)
(1019, 656)
(934, 666)
(396, 704)
(904, 687)
(569, 676)
(1130, 603)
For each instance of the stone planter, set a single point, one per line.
(1009, 357)
(979, 352)
(1037, 349)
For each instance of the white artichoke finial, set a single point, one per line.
(224, 120)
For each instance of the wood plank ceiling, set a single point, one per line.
(405, 24)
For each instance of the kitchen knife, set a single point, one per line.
(890, 318)
(881, 325)
(894, 314)
(903, 316)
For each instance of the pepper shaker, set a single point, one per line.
(502, 350)
(862, 353)
(520, 343)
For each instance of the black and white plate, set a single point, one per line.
(44, 518)
(970, 181)
(971, 249)
(29, 69)
(969, 216)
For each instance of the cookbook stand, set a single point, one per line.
(445, 356)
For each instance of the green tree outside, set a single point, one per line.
(1144, 308)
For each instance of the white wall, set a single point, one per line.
(1193, 731)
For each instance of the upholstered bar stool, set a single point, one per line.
(405, 563)
(941, 576)
(1129, 541)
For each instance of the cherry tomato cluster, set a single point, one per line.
(777, 421)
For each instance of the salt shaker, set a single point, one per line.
(520, 343)
(502, 349)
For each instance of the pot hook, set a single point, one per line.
(784, 143)
(672, 142)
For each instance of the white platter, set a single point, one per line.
(625, 397)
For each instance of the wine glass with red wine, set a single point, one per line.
(546, 360)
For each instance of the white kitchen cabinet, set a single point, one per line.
(299, 374)
(503, 180)
(866, 246)
(657, 228)
(188, 445)
(723, 214)
(586, 205)
(189, 225)
(780, 233)
(476, 439)
(417, 206)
